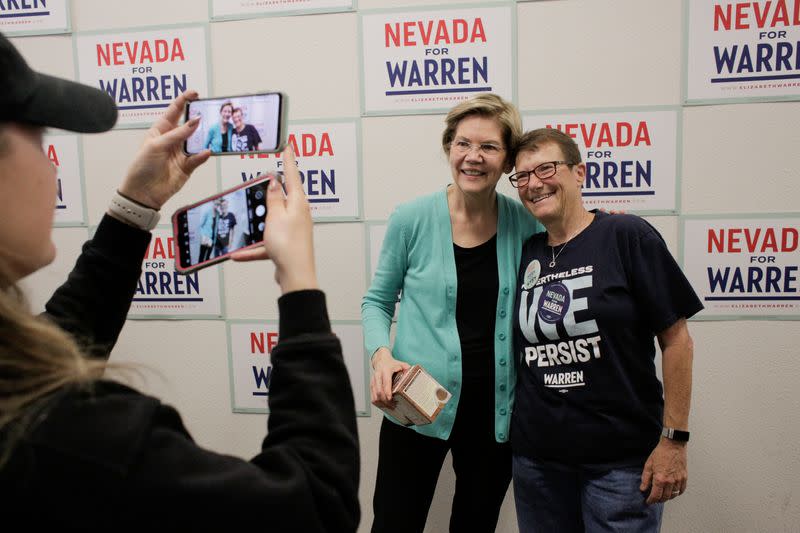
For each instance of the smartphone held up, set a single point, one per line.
(243, 124)
(209, 231)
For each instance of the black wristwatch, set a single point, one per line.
(675, 434)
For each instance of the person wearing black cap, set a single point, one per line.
(80, 449)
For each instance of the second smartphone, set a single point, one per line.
(242, 124)
(209, 231)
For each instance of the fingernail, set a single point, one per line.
(273, 184)
(194, 121)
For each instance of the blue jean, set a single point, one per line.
(572, 499)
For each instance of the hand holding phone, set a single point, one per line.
(209, 231)
(242, 124)
(288, 236)
(159, 169)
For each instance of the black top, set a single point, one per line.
(111, 455)
(245, 140)
(476, 304)
(587, 391)
(225, 225)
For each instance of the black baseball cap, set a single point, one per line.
(31, 97)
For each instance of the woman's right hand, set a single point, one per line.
(161, 168)
(288, 235)
(384, 367)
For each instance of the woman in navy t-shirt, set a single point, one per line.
(592, 293)
(245, 137)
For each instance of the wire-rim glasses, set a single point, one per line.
(543, 171)
(487, 149)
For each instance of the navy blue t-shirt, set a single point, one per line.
(584, 336)
(245, 140)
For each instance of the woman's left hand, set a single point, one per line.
(161, 168)
(665, 472)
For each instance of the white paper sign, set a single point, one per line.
(743, 50)
(251, 345)
(427, 61)
(64, 152)
(34, 17)
(144, 70)
(233, 9)
(631, 156)
(163, 293)
(744, 266)
(327, 156)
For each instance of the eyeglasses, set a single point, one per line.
(487, 149)
(543, 171)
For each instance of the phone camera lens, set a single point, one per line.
(260, 226)
(260, 210)
(259, 195)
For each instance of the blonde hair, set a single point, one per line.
(37, 358)
(487, 105)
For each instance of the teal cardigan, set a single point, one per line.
(417, 258)
(214, 137)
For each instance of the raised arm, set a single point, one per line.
(311, 451)
(94, 301)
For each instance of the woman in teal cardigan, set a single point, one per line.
(454, 256)
(218, 138)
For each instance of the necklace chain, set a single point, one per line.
(555, 255)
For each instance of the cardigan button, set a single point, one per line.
(501, 436)
(503, 386)
(502, 336)
(503, 411)
(503, 313)
(502, 362)
(505, 290)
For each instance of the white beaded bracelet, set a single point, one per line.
(134, 213)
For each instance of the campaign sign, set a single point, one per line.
(631, 156)
(65, 154)
(34, 17)
(327, 157)
(426, 61)
(743, 266)
(239, 9)
(144, 70)
(163, 293)
(743, 50)
(250, 346)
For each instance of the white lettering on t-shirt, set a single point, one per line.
(529, 316)
(563, 353)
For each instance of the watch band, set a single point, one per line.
(134, 213)
(675, 434)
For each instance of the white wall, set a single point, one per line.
(744, 456)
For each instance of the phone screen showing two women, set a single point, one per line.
(211, 230)
(237, 124)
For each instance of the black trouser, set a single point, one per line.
(205, 253)
(409, 466)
